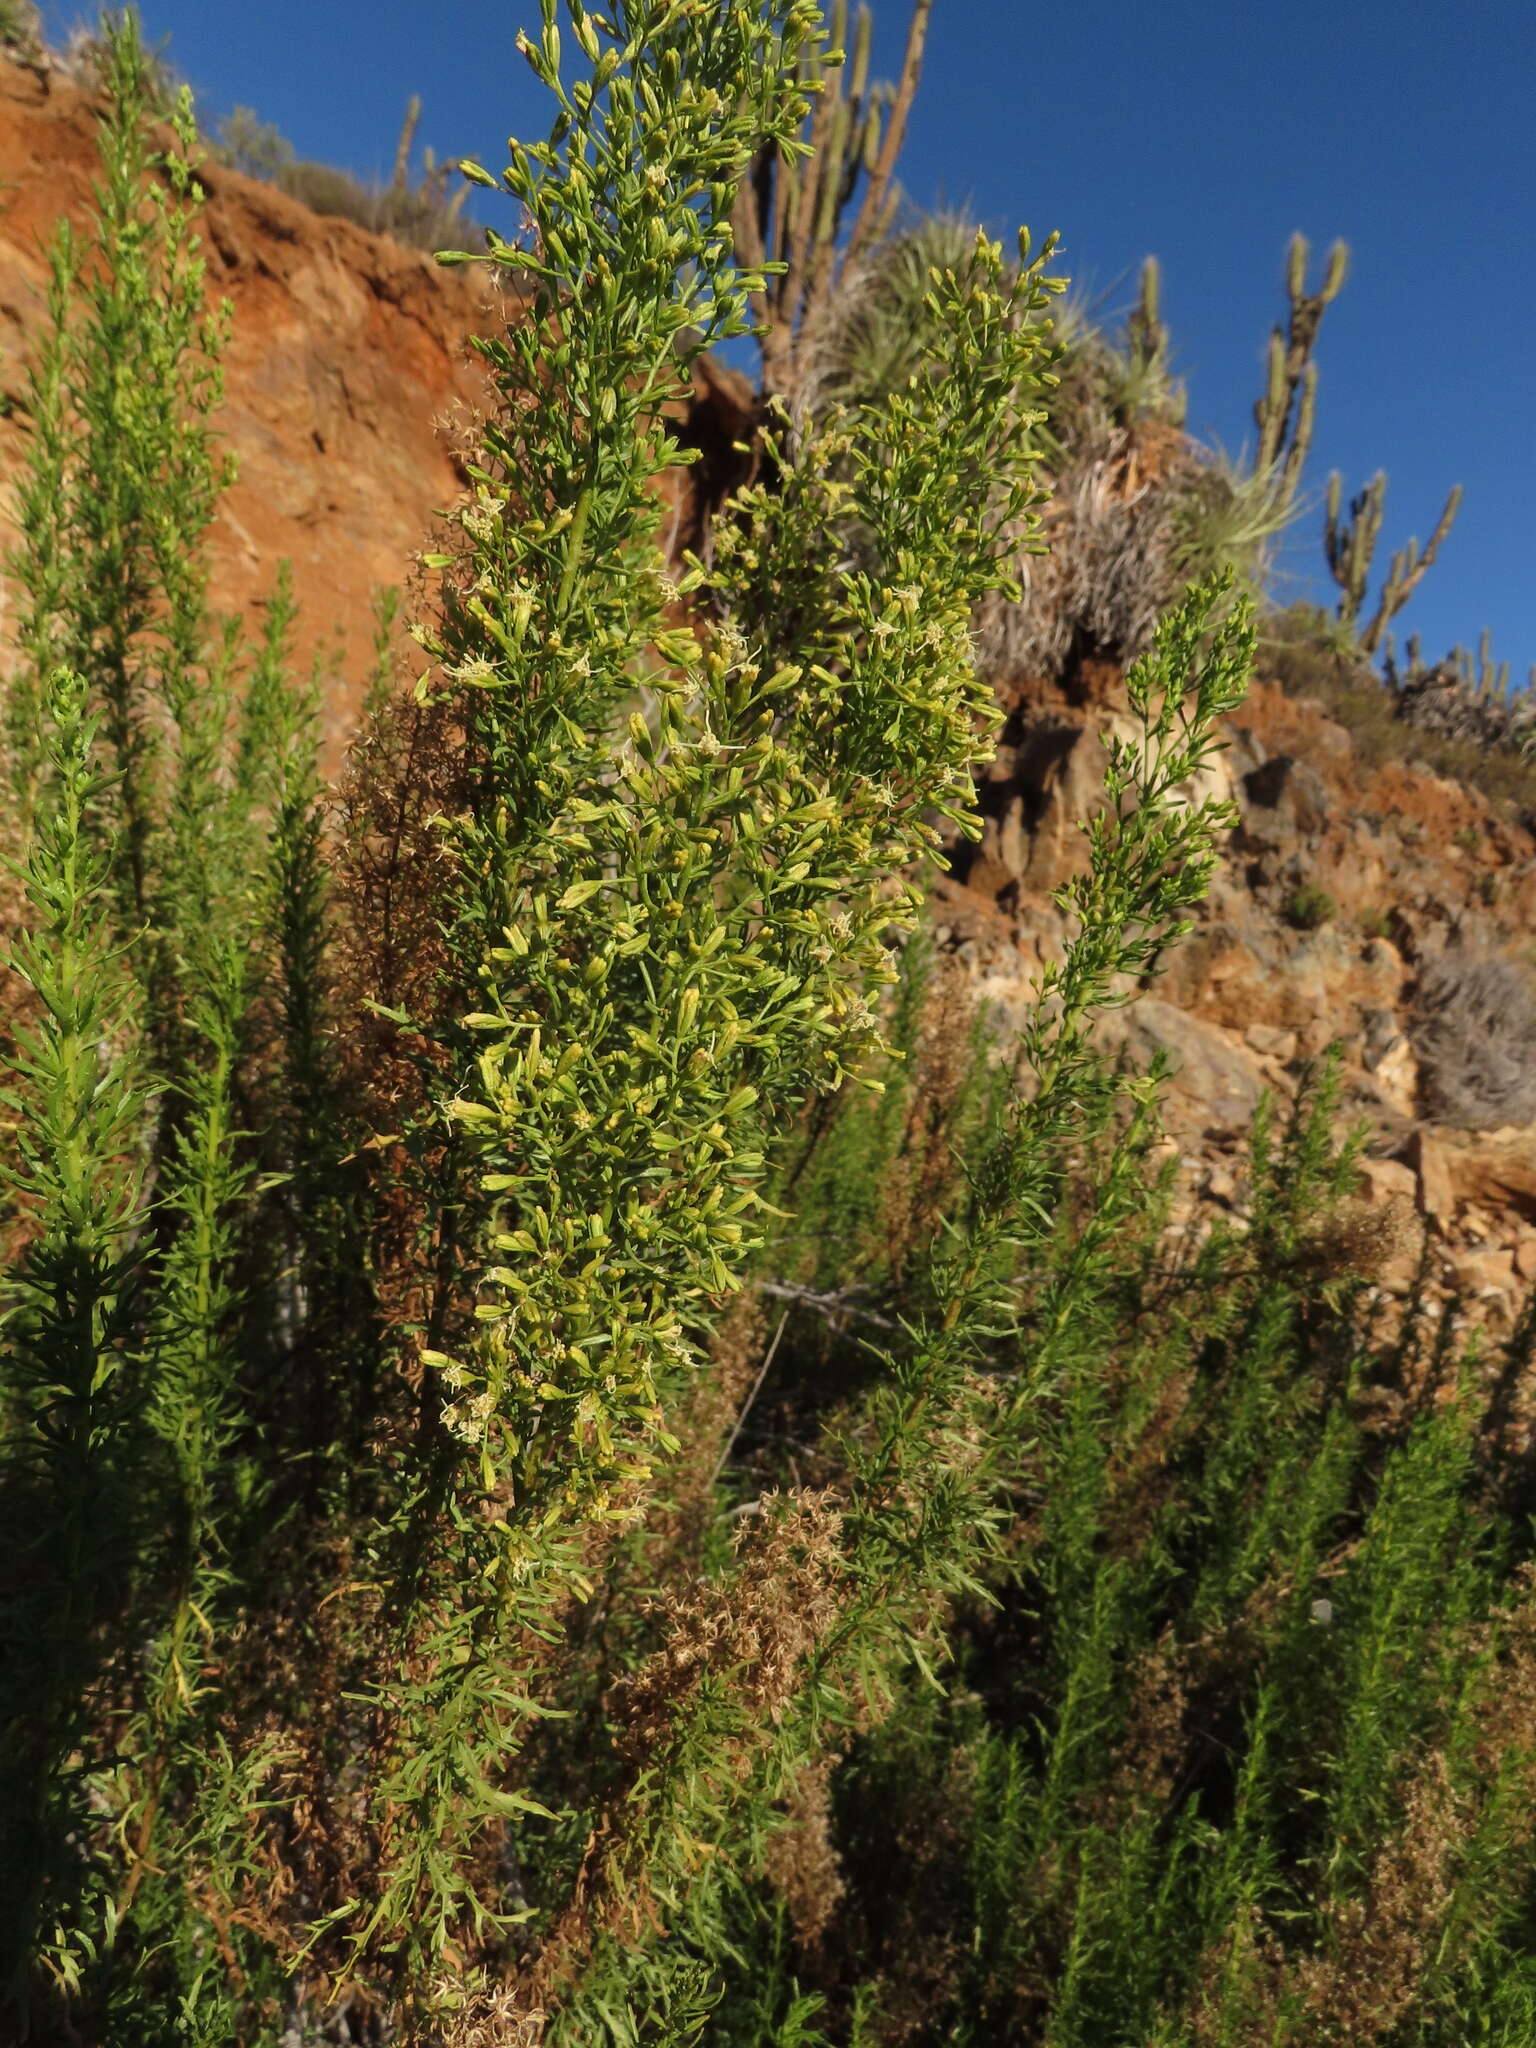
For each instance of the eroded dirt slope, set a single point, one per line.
(346, 350)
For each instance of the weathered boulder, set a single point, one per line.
(1218, 1078)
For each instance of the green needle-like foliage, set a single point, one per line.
(71, 1507)
(860, 1578)
(586, 1455)
(173, 886)
(123, 476)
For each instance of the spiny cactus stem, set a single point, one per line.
(863, 37)
(1407, 570)
(875, 192)
(1306, 413)
(1281, 416)
(869, 155)
(831, 198)
(407, 141)
(814, 177)
(749, 217)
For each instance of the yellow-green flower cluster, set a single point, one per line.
(685, 850)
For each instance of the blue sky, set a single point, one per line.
(1202, 133)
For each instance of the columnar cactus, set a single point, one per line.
(1486, 678)
(1284, 414)
(1350, 546)
(434, 196)
(1146, 330)
(794, 203)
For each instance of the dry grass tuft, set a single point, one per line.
(1475, 1036)
(1109, 573)
(476, 2014)
(1360, 1239)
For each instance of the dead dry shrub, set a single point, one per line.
(755, 1627)
(485, 2015)
(333, 194)
(709, 1411)
(1380, 1945)
(394, 876)
(1450, 699)
(1112, 566)
(394, 871)
(418, 216)
(1151, 1754)
(1474, 1032)
(920, 1182)
(802, 1863)
(1359, 1239)
(737, 1643)
(1237, 1987)
(21, 30)
(85, 61)
(1305, 651)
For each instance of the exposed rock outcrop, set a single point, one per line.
(346, 350)
(349, 355)
(1348, 891)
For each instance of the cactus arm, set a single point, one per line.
(407, 141)
(1301, 442)
(812, 177)
(1148, 336)
(748, 217)
(1284, 415)
(1269, 412)
(855, 131)
(830, 203)
(749, 250)
(786, 213)
(1372, 505)
(1350, 545)
(876, 191)
(1339, 547)
(863, 39)
(870, 154)
(886, 218)
(1407, 571)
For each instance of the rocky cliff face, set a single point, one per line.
(1344, 882)
(1379, 906)
(346, 350)
(348, 367)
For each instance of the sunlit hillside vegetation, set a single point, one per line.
(590, 1451)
